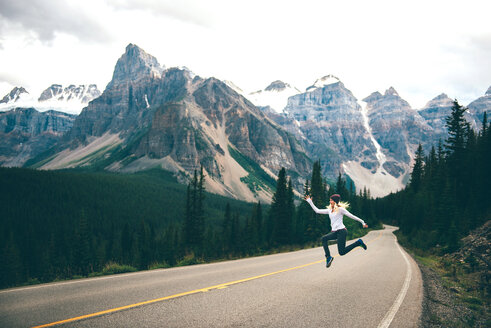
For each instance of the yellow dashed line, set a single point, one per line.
(220, 286)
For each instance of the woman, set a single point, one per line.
(339, 232)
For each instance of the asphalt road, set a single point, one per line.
(380, 287)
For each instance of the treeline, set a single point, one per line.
(448, 194)
(59, 225)
(284, 226)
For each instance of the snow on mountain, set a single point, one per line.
(234, 87)
(323, 81)
(275, 95)
(15, 95)
(71, 99)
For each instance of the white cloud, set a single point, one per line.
(422, 48)
(47, 18)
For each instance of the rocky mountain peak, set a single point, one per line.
(488, 93)
(135, 64)
(13, 95)
(73, 93)
(441, 100)
(324, 81)
(373, 97)
(391, 92)
(277, 86)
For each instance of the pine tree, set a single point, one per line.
(341, 187)
(126, 243)
(455, 144)
(82, 252)
(417, 173)
(227, 229)
(314, 223)
(200, 211)
(281, 213)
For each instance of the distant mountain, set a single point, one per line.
(149, 117)
(334, 127)
(275, 96)
(14, 95)
(479, 106)
(152, 116)
(398, 129)
(81, 93)
(323, 81)
(69, 99)
(25, 133)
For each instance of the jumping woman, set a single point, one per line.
(338, 231)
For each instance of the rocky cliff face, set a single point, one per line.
(435, 113)
(398, 129)
(25, 133)
(330, 122)
(149, 116)
(479, 106)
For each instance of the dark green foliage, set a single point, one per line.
(449, 190)
(257, 178)
(57, 224)
(281, 214)
(417, 173)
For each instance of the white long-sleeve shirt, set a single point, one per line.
(336, 217)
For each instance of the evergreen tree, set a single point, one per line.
(82, 251)
(341, 187)
(227, 229)
(458, 129)
(126, 243)
(417, 173)
(281, 213)
(303, 213)
(200, 211)
(314, 223)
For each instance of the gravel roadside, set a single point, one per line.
(441, 306)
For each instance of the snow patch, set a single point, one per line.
(274, 98)
(146, 101)
(323, 81)
(379, 154)
(380, 183)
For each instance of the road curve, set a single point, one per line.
(380, 287)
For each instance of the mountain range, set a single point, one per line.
(152, 116)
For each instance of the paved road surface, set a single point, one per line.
(380, 287)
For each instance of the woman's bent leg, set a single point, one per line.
(342, 248)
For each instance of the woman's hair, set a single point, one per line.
(339, 204)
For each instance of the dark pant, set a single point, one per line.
(340, 235)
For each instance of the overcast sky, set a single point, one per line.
(421, 48)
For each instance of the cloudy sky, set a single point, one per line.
(421, 48)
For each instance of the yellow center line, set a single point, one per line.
(206, 289)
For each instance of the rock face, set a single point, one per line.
(435, 113)
(330, 122)
(25, 133)
(13, 95)
(479, 106)
(398, 129)
(149, 116)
